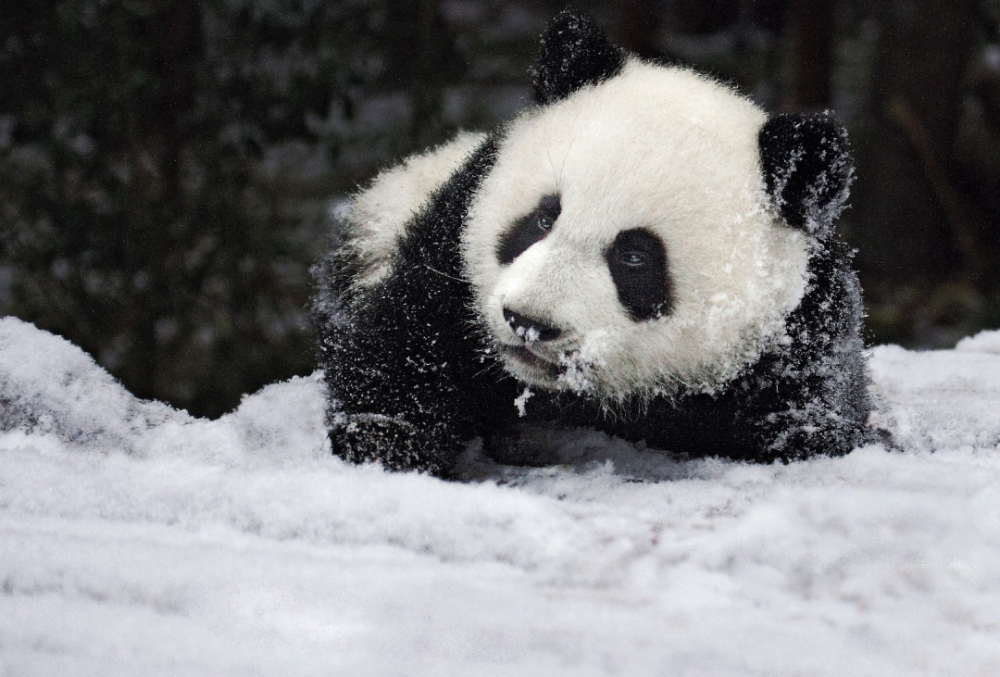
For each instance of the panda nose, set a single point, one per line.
(530, 329)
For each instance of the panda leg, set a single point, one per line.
(394, 395)
(400, 355)
(392, 441)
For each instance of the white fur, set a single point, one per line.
(377, 215)
(655, 147)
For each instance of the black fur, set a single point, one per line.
(573, 53)
(807, 169)
(638, 265)
(411, 378)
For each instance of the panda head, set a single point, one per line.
(645, 228)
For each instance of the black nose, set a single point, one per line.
(529, 328)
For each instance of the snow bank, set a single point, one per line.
(135, 539)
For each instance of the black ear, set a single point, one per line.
(573, 53)
(807, 169)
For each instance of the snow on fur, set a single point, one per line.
(139, 540)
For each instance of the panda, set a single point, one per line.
(642, 251)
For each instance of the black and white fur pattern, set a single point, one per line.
(644, 250)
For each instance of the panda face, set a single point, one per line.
(636, 260)
(622, 243)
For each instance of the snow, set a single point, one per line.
(521, 401)
(984, 342)
(135, 539)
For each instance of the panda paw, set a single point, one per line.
(795, 441)
(394, 442)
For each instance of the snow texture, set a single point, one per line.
(135, 539)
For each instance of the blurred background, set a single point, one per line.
(167, 167)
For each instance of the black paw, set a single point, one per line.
(395, 443)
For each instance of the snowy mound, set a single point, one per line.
(985, 342)
(138, 540)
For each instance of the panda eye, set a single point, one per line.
(633, 258)
(548, 210)
(529, 229)
(637, 261)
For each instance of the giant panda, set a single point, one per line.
(642, 251)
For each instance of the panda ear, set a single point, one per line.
(573, 53)
(807, 169)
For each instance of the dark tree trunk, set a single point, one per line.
(812, 29)
(636, 25)
(700, 17)
(910, 224)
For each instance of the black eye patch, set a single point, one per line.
(638, 265)
(529, 229)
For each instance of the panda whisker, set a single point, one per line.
(572, 141)
(492, 366)
(450, 277)
(552, 168)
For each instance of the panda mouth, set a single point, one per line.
(525, 356)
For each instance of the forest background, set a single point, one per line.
(168, 168)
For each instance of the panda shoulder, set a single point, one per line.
(377, 215)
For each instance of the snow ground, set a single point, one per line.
(135, 540)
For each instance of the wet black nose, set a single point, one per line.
(529, 328)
